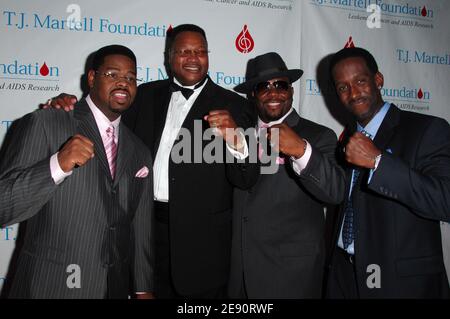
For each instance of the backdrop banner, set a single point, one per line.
(45, 45)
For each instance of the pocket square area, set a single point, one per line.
(143, 172)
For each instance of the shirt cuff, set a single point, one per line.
(58, 174)
(237, 154)
(299, 164)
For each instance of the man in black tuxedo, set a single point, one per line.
(192, 200)
(387, 240)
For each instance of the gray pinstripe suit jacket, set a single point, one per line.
(90, 220)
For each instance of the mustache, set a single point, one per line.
(360, 99)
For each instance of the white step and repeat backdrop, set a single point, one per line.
(45, 45)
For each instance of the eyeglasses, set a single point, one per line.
(114, 77)
(264, 87)
(189, 52)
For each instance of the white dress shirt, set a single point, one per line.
(178, 109)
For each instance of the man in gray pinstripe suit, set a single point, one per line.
(83, 182)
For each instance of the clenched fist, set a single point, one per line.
(289, 143)
(361, 151)
(76, 152)
(225, 126)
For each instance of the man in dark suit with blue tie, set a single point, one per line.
(83, 183)
(387, 240)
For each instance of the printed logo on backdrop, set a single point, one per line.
(422, 57)
(76, 22)
(8, 233)
(18, 76)
(244, 41)
(285, 5)
(222, 78)
(311, 84)
(349, 43)
(379, 13)
(408, 98)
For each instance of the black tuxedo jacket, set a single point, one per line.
(200, 194)
(397, 214)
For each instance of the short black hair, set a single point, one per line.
(352, 53)
(99, 56)
(172, 34)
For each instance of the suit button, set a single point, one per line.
(112, 228)
(245, 218)
(113, 191)
(173, 179)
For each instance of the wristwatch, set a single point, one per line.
(377, 161)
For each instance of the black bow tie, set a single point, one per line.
(187, 92)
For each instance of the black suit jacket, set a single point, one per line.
(200, 194)
(397, 215)
(278, 248)
(101, 225)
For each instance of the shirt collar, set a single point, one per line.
(375, 123)
(191, 86)
(261, 123)
(102, 121)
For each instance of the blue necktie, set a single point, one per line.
(348, 232)
(348, 229)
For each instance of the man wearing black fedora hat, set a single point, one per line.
(278, 225)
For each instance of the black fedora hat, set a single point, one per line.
(265, 67)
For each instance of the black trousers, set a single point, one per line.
(342, 282)
(164, 286)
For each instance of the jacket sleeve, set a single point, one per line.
(25, 178)
(422, 184)
(322, 176)
(244, 173)
(144, 253)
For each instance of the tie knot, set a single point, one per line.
(110, 131)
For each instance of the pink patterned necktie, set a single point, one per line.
(264, 126)
(111, 150)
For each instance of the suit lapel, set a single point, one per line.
(387, 128)
(88, 128)
(162, 101)
(202, 105)
(124, 152)
(292, 120)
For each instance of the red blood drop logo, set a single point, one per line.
(420, 94)
(424, 11)
(349, 43)
(44, 71)
(244, 41)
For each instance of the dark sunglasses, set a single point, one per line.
(264, 87)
